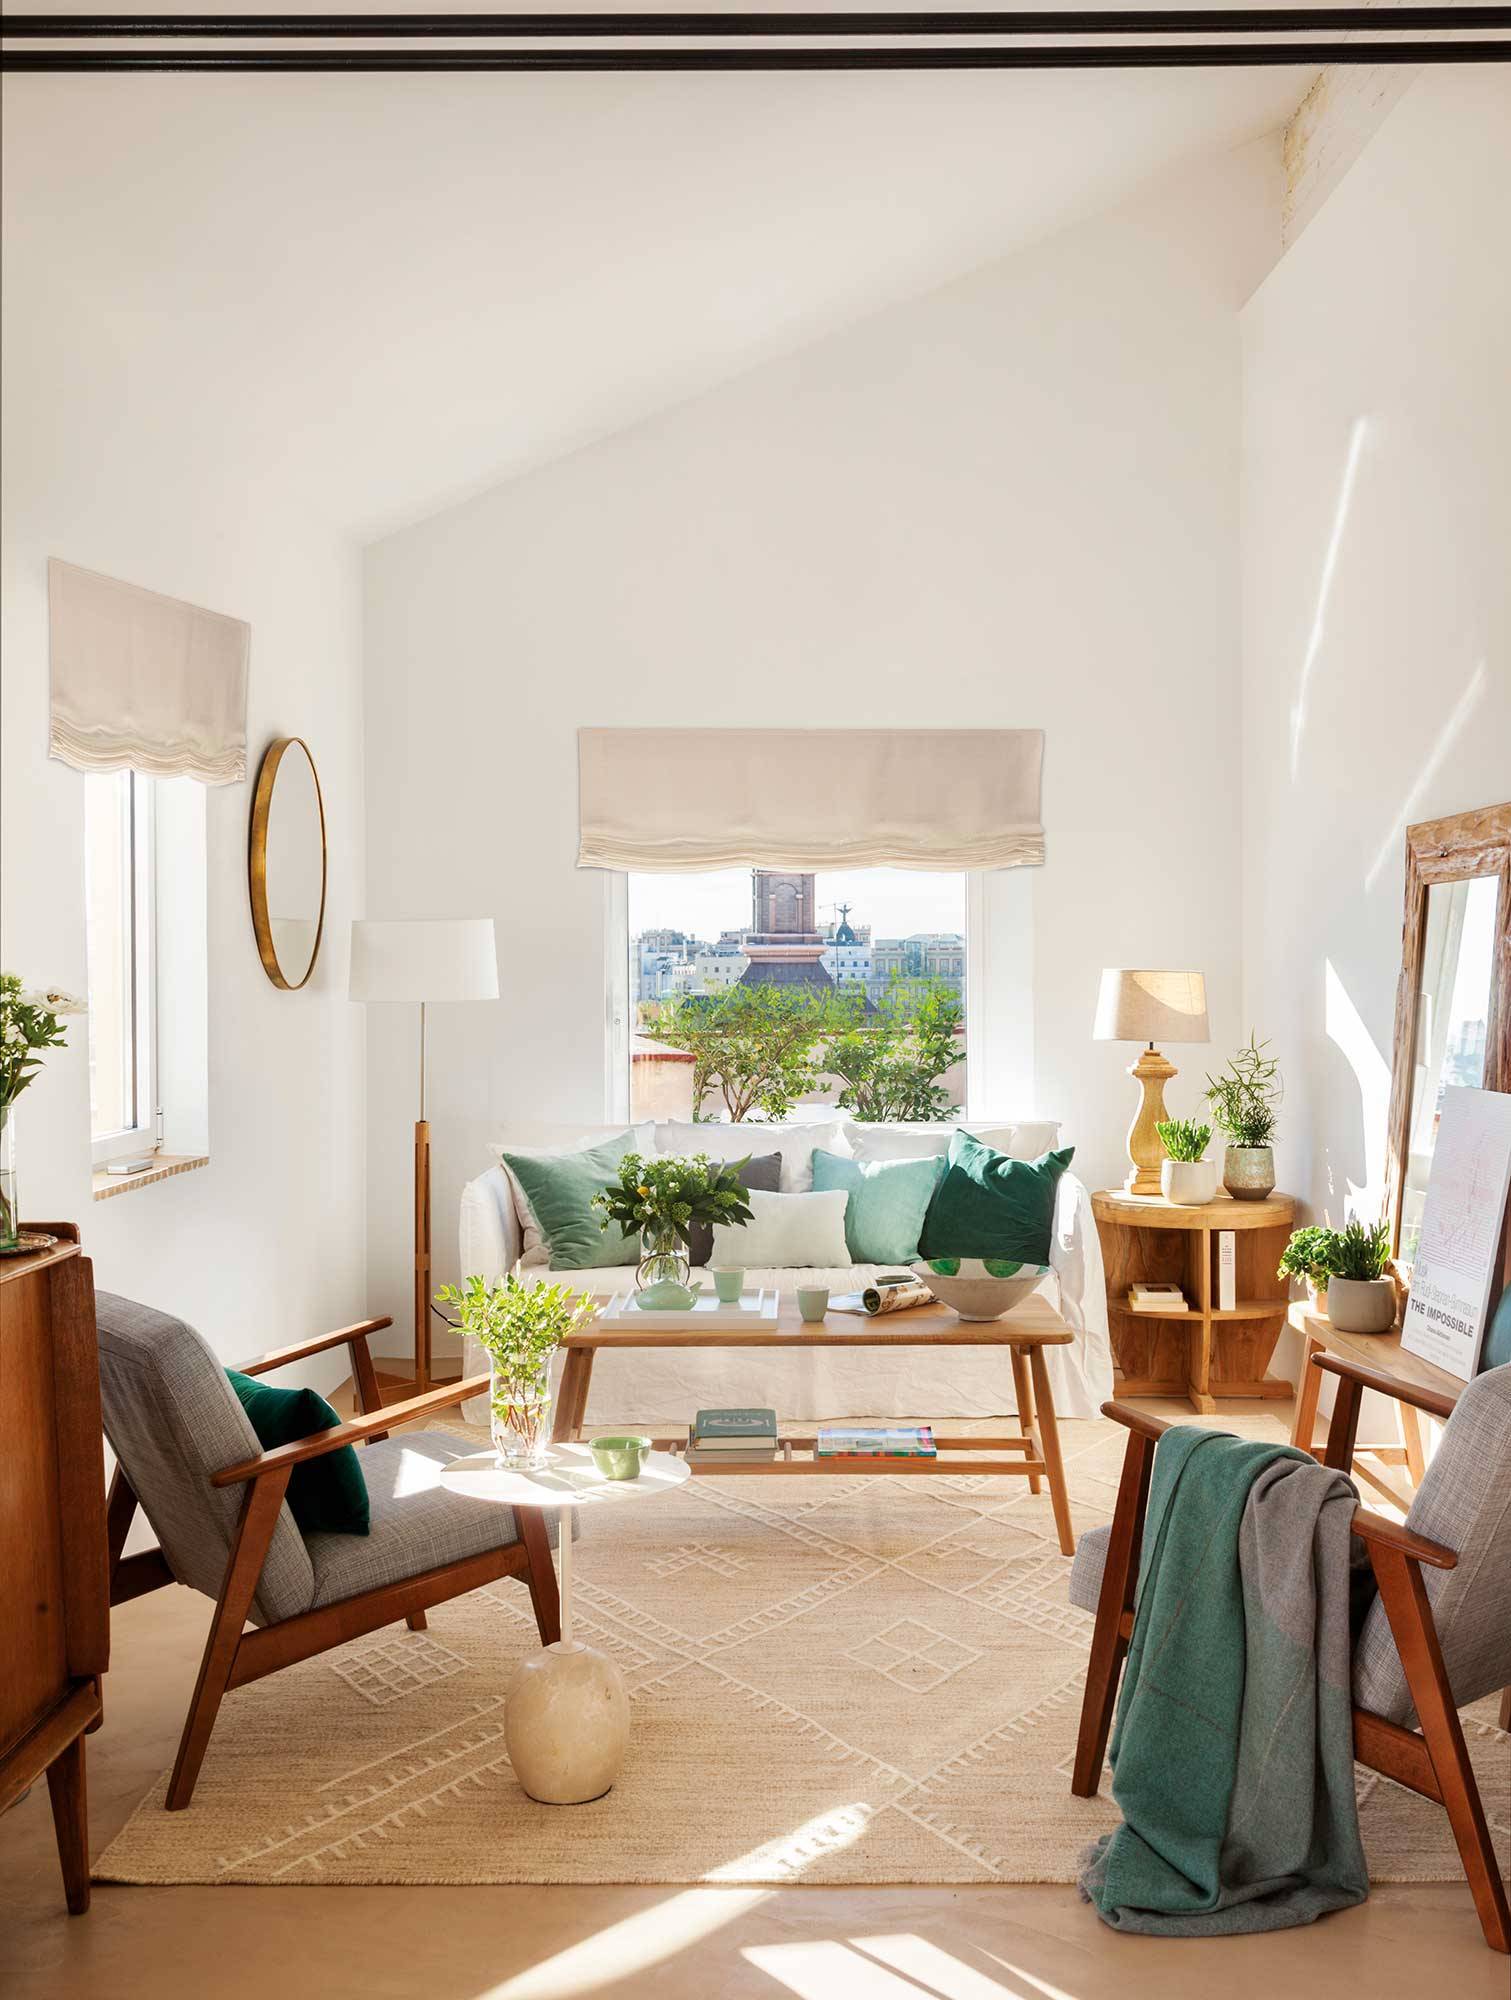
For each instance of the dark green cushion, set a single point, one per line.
(1496, 1351)
(987, 1205)
(327, 1496)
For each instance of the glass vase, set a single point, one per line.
(662, 1260)
(10, 1207)
(519, 1414)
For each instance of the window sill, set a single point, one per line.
(165, 1166)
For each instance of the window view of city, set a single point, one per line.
(754, 992)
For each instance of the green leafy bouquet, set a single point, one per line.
(519, 1327)
(664, 1197)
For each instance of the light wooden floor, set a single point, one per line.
(695, 1944)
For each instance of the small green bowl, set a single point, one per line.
(619, 1457)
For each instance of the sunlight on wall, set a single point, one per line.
(598, 1964)
(1324, 589)
(1463, 708)
(1372, 1073)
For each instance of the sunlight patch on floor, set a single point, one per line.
(598, 1964)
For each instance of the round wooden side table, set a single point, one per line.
(566, 1714)
(1208, 1351)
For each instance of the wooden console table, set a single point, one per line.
(54, 1587)
(1202, 1353)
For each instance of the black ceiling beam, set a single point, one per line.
(1135, 55)
(840, 26)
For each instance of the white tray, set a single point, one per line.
(707, 1313)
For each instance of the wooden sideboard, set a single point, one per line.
(1203, 1353)
(54, 1572)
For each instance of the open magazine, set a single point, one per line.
(894, 1291)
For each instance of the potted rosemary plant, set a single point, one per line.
(519, 1327)
(1186, 1176)
(1244, 1100)
(659, 1200)
(1360, 1296)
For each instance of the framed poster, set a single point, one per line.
(1465, 1211)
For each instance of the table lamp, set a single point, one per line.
(423, 962)
(1149, 1007)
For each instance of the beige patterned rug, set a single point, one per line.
(832, 1681)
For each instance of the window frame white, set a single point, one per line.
(139, 891)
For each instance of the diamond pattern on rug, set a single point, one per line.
(392, 1669)
(869, 1680)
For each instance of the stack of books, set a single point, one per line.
(725, 1437)
(875, 1441)
(1152, 1298)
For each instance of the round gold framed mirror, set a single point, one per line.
(286, 863)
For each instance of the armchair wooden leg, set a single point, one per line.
(1409, 1610)
(541, 1573)
(1307, 1390)
(1109, 1641)
(416, 1621)
(70, 1819)
(254, 1531)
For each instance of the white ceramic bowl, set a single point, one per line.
(979, 1287)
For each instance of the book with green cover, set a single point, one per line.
(734, 1428)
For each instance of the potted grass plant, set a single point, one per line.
(1244, 1100)
(1360, 1295)
(1306, 1257)
(1187, 1178)
(519, 1327)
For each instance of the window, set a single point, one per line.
(753, 992)
(120, 892)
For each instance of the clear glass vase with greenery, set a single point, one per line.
(519, 1326)
(30, 1024)
(661, 1199)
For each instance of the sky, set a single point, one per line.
(894, 901)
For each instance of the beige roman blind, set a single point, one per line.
(684, 799)
(144, 680)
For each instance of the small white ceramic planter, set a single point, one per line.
(1188, 1183)
(1361, 1305)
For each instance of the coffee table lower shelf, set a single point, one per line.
(799, 1455)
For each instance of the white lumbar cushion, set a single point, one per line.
(1027, 1141)
(722, 1141)
(785, 1231)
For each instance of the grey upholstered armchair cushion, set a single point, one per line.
(1465, 1503)
(172, 1419)
(1085, 1587)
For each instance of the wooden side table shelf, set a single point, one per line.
(1203, 1353)
(1439, 1392)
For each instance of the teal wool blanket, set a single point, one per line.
(1232, 1753)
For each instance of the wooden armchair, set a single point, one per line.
(190, 1459)
(1437, 1637)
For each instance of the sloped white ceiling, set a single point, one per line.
(378, 294)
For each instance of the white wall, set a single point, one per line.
(1013, 501)
(266, 1243)
(1377, 594)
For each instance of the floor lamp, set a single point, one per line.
(425, 962)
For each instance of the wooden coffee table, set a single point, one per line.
(1031, 1452)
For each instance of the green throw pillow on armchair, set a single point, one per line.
(988, 1205)
(1496, 1351)
(327, 1496)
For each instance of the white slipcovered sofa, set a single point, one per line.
(803, 1384)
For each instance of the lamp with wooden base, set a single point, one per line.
(422, 962)
(1148, 1007)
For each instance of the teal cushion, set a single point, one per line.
(888, 1201)
(560, 1188)
(987, 1205)
(327, 1496)
(1496, 1351)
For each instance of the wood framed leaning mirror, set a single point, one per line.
(1453, 999)
(286, 862)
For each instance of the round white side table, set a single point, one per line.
(566, 1714)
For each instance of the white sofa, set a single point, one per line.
(814, 1383)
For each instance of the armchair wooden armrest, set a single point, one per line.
(348, 1336)
(1139, 1421)
(1379, 1533)
(284, 1457)
(1431, 1400)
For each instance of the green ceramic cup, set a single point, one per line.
(619, 1457)
(729, 1285)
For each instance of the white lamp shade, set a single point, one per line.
(426, 961)
(1151, 1007)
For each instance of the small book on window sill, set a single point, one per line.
(1153, 1298)
(137, 1163)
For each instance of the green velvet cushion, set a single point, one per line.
(888, 1202)
(327, 1496)
(1496, 1351)
(988, 1205)
(560, 1188)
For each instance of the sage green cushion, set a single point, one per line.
(326, 1496)
(987, 1205)
(888, 1202)
(560, 1188)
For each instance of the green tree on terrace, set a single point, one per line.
(891, 1061)
(757, 1046)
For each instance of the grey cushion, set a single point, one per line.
(1465, 1503)
(172, 1419)
(1085, 1585)
(417, 1524)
